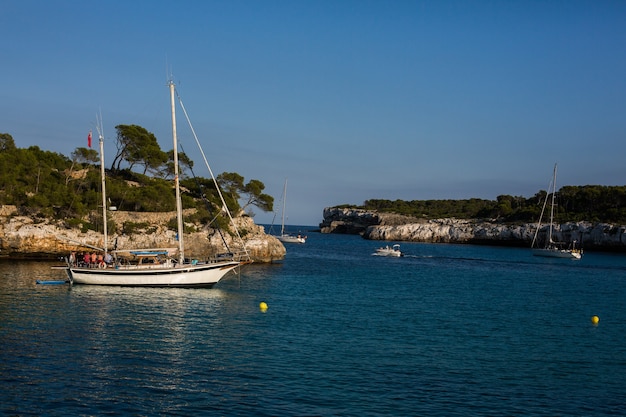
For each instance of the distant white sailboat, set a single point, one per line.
(286, 237)
(551, 248)
(154, 267)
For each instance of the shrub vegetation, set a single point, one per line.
(44, 184)
(594, 203)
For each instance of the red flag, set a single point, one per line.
(89, 139)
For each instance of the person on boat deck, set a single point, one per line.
(72, 258)
(100, 259)
(94, 258)
(87, 258)
(108, 259)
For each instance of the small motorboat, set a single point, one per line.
(389, 251)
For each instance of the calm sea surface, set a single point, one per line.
(448, 330)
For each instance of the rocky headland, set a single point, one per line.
(392, 227)
(27, 237)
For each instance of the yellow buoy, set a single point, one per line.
(595, 320)
(263, 306)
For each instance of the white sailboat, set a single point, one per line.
(553, 249)
(155, 267)
(286, 237)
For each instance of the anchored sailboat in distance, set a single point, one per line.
(156, 267)
(286, 237)
(551, 248)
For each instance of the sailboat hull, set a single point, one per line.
(291, 239)
(202, 275)
(557, 253)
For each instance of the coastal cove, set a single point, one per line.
(446, 330)
(373, 225)
(23, 237)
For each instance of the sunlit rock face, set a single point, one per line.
(26, 237)
(381, 226)
(356, 221)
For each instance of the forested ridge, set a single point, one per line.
(45, 184)
(593, 203)
(48, 184)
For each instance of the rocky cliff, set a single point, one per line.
(36, 238)
(356, 221)
(380, 226)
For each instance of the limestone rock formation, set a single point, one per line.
(37, 238)
(356, 221)
(376, 226)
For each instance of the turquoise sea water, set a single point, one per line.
(448, 330)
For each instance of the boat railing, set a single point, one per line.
(239, 256)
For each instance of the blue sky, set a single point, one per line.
(349, 100)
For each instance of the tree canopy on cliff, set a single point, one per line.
(137, 146)
(54, 185)
(595, 203)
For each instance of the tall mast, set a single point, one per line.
(103, 179)
(179, 208)
(282, 222)
(552, 207)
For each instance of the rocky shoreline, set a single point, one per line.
(24, 237)
(391, 227)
